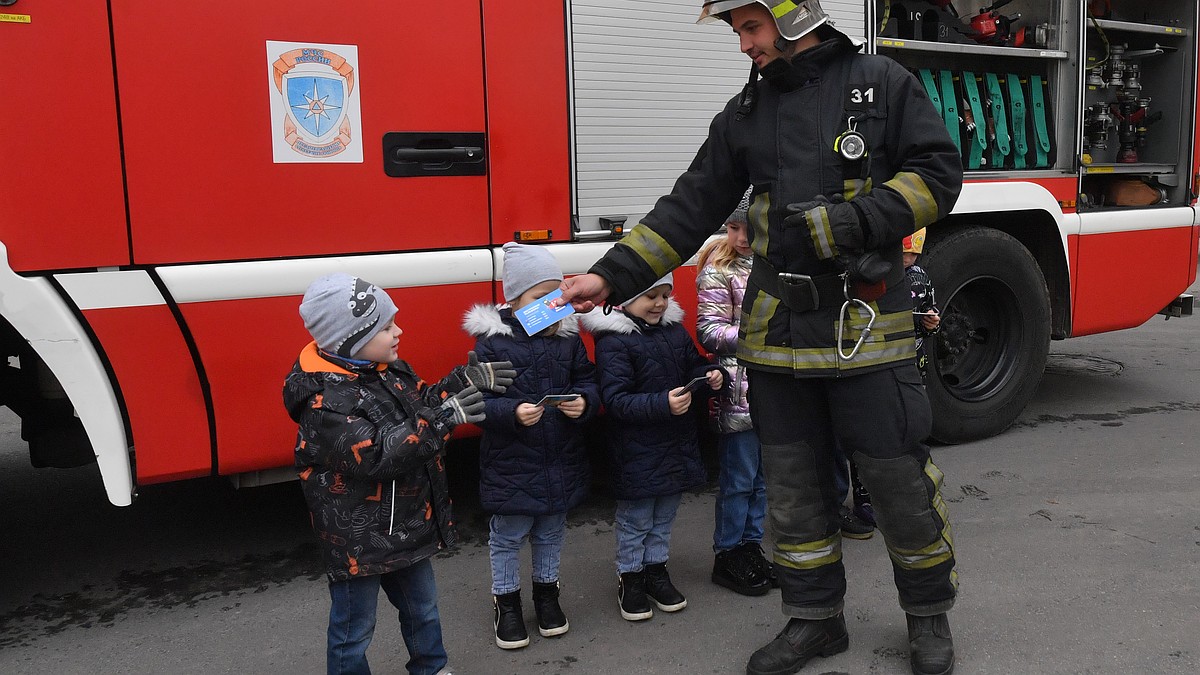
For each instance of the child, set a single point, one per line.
(644, 356)
(532, 459)
(741, 505)
(926, 316)
(369, 455)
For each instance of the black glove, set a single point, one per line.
(465, 406)
(835, 226)
(494, 376)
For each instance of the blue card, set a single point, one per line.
(538, 315)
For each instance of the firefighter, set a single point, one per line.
(847, 155)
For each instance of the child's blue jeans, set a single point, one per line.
(352, 611)
(644, 531)
(741, 503)
(508, 534)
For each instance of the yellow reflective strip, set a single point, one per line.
(939, 551)
(822, 235)
(652, 249)
(853, 187)
(783, 8)
(809, 555)
(912, 188)
(757, 216)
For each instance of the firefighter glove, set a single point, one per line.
(493, 376)
(465, 406)
(835, 226)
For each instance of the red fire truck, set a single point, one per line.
(176, 173)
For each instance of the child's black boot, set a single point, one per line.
(550, 617)
(509, 624)
(661, 590)
(631, 597)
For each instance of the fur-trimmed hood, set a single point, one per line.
(487, 320)
(618, 321)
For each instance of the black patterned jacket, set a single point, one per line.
(368, 452)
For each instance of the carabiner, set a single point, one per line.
(842, 320)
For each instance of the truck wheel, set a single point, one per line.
(988, 356)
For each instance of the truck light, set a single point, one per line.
(533, 235)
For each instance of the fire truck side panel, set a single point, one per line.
(1131, 266)
(245, 323)
(61, 209)
(160, 388)
(529, 163)
(196, 85)
(36, 310)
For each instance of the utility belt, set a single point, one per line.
(804, 293)
(997, 120)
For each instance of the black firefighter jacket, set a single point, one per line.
(783, 146)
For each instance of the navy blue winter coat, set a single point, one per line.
(542, 469)
(654, 453)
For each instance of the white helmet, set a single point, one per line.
(793, 18)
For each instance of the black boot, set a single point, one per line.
(798, 642)
(754, 552)
(930, 646)
(853, 527)
(661, 590)
(737, 570)
(509, 624)
(631, 597)
(550, 617)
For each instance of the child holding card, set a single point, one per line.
(646, 357)
(532, 459)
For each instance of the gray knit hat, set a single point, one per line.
(526, 267)
(668, 280)
(742, 213)
(343, 312)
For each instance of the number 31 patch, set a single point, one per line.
(862, 96)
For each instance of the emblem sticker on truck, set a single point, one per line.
(315, 113)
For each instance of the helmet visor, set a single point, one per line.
(713, 9)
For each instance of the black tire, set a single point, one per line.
(989, 354)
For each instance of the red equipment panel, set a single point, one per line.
(253, 429)
(63, 204)
(1128, 277)
(527, 117)
(196, 90)
(161, 391)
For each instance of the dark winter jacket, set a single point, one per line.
(368, 454)
(542, 469)
(783, 146)
(654, 453)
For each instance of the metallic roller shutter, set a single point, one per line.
(646, 82)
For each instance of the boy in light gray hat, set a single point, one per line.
(525, 267)
(368, 453)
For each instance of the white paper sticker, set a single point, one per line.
(315, 112)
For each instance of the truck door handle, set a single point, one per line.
(434, 154)
(438, 155)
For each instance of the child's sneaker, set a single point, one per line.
(509, 624)
(854, 528)
(631, 597)
(661, 590)
(551, 620)
(737, 570)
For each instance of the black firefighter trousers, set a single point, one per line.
(881, 419)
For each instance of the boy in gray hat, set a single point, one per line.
(368, 453)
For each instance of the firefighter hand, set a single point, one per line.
(679, 400)
(529, 414)
(465, 406)
(715, 379)
(834, 226)
(583, 292)
(494, 376)
(573, 408)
